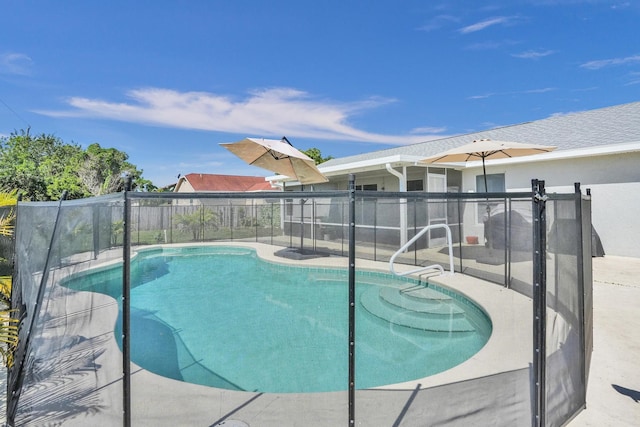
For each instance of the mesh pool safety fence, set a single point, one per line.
(130, 315)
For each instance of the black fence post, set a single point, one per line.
(580, 245)
(539, 302)
(506, 242)
(460, 232)
(415, 230)
(342, 228)
(126, 307)
(352, 297)
(138, 227)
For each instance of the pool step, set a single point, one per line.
(416, 310)
(420, 299)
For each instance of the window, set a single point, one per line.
(367, 187)
(415, 185)
(366, 206)
(495, 182)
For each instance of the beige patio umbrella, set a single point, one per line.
(487, 149)
(279, 156)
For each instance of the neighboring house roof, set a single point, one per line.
(577, 132)
(212, 182)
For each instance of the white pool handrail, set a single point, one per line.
(429, 267)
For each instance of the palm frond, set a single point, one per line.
(8, 198)
(9, 333)
(5, 288)
(7, 219)
(9, 326)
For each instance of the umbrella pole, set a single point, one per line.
(486, 190)
(484, 173)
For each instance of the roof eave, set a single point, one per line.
(407, 160)
(576, 153)
(372, 164)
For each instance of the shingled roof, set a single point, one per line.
(606, 126)
(234, 183)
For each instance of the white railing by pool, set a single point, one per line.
(429, 267)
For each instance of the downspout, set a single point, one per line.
(402, 178)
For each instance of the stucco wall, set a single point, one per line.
(615, 188)
(615, 215)
(613, 179)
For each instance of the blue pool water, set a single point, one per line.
(222, 317)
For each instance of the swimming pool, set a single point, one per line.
(223, 317)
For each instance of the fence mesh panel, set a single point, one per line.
(567, 309)
(68, 365)
(239, 309)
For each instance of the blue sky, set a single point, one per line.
(167, 81)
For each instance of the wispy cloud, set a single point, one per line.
(491, 44)
(602, 63)
(634, 79)
(622, 5)
(482, 25)
(533, 54)
(267, 112)
(438, 22)
(15, 63)
(428, 130)
(541, 90)
(519, 92)
(484, 96)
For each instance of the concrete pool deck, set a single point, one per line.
(613, 391)
(613, 383)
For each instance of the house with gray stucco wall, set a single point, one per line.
(600, 149)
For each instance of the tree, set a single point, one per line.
(316, 155)
(61, 172)
(102, 171)
(41, 167)
(32, 164)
